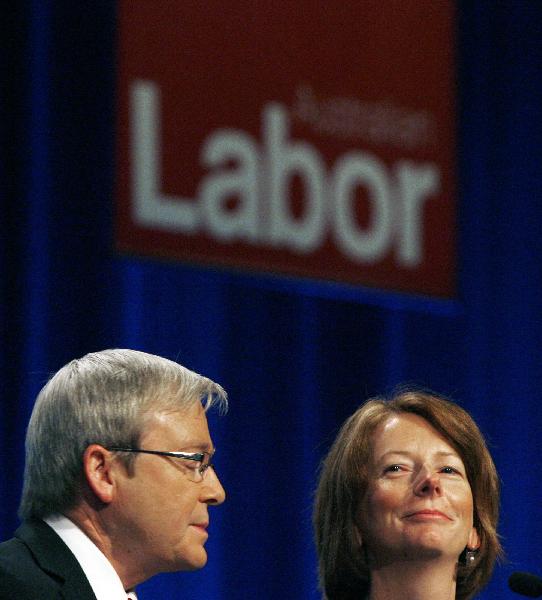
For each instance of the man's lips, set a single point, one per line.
(428, 514)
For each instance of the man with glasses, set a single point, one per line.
(118, 479)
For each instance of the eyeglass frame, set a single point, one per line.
(195, 456)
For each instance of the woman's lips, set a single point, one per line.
(427, 515)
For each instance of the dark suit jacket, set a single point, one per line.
(37, 565)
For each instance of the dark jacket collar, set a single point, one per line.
(55, 558)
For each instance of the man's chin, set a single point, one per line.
(196, 560)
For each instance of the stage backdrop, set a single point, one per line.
(291, 141)
(296, 356)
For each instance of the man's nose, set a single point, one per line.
(213, 492)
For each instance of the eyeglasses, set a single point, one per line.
(195, 469)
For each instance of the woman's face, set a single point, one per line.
(419, 502)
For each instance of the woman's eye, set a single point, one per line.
(393, 469)
(450, 470)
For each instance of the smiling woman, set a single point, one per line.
(407, 503)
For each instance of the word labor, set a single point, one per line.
(260, 179)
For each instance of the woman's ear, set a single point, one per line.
(474, 540)
(97, 463)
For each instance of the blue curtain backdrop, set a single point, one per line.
(296, 358)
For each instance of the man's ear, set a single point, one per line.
(97, 467)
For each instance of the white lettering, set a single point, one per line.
(415, 184)
(241, 183)
(352, 170)
(284, 160)
(258, 180)
(152, 208)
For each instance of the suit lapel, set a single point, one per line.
(54, 557)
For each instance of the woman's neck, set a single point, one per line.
(423, 580)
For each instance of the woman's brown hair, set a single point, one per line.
(344, 573)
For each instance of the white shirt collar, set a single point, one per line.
(103, 578)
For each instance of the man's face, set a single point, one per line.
(160, 515)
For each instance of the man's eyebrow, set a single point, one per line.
(188, 445)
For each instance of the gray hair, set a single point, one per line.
(102, 398)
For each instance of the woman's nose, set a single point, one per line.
(428, 484)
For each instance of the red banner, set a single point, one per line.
(303, 138)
